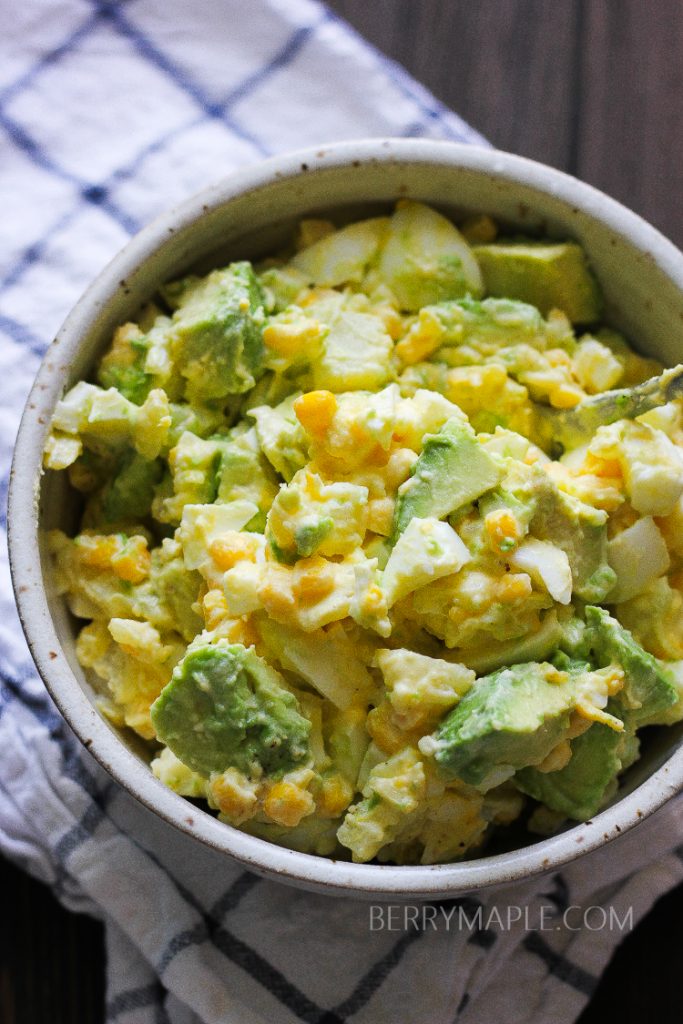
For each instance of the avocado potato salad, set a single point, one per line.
(381, 539)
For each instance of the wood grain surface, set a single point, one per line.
(594, 87)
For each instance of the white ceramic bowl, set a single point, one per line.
(248, 214)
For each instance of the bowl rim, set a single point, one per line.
(322, 874)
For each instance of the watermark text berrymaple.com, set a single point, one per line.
(546, 917)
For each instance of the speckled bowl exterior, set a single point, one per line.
(247, 215)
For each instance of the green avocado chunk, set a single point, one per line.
(307, 540)
(195, 462)
(177, 589)
(508, 720)
(452, 470)
(281, 437)
(226, 707)
(486, 325)
(581, 532)
(546, 275)
(129, 494)
(221, 468)
(218, 332)
(123, 368)
(649, 689)
(561, 519)
(537, 646)
(581, 788)
(200, 420)
(245, 474)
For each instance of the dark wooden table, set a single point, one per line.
(594, 87)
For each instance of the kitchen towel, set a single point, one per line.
(109, 112)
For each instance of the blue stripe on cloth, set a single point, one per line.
(415, 130)
(135, 999)
(156, 57)
(5, 697)
(160, 1015)
(238, 952)
(232, 896)
(270, 978)
(4, 496)
(285, 56)
(98, 195)
(482, 937)
(485, 938)
(372, 980)
(194, 936)
(22, 334)
(30, 147)
(24, 81)
(473, 910)
(128, 170)
(559, 895)
(462, 1006)
(91, 193)
(34, 252)
(244, 956)
(79, 833)
(39, 706)
(74, 768)
(559, 966)
(182, 940)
